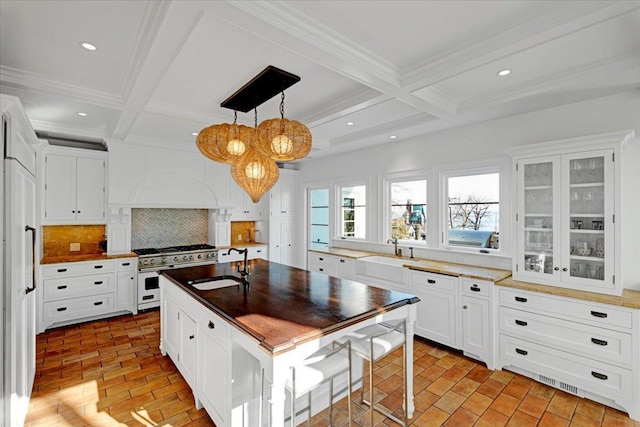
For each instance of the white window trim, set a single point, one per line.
(384, 185)
(337, 211)
(501, 167)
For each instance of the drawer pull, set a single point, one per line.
(341, 260)
(147, 297)
(100, 282)
(431, 281)
(522, 352)
(98, 266)
(474, 288)
(321, 269)
(520, 299)
(599, 376)
(61, 309)
(321, 259)
(97, 303)
(62, 270)
(191, 337)
(62, 287)
(124, 264)
(211, 325)
(599, 314)
(599, 342)
(521, 323)
(259, 251)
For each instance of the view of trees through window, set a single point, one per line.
(354, 205)
(473, 211)
(408, 210)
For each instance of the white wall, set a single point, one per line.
(480, 143)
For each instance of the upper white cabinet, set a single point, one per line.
(243, 207)
(282, 195)
(74, 186)
(569, 216)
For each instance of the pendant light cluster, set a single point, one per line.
(253, 152)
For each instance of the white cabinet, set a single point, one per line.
(332, 265)
(477, 328)
(283, 195)
(79, 291)
(74, 186)
(436, 315)
(214, 395)
(568, 219)
(179, 338)
(243, 207)
(259, 251)
(282, 243)
(583, 347)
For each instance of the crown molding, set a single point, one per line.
(437, 97)
(281, 15)
(558, 80)
(568, 18)
(35, 83)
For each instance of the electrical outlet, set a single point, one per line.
(74, 247)
(239, 237)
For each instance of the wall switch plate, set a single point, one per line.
(73, 247)
(239, 236)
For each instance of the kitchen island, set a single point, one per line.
(234, 345)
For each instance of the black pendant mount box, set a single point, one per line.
(268, 83)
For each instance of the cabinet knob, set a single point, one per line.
(556, 268)
(73, 211)
(465, 307)
(565, 269)
(211, 325)
(191, 337)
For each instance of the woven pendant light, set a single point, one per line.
(225, 142)
(282, 139)
(255, 173)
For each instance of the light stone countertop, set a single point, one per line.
(629, 298)
(347, 253)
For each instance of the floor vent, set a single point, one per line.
(547, 380)
(568, 388)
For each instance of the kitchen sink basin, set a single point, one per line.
(382, 267)
(217, 282)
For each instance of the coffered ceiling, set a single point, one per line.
(392, 68)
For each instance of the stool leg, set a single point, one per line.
(371, 381)
(330, 402)
(309, 403)
(293, 397)
(406, 391)
(349, 389)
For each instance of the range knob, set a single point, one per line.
(200, 256)
(184, 258)
(145, 262)
(164, 260)
(190, 257)
(175, 258)
(151, 261)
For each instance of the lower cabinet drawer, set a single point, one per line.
(572, 370)
(71, 287)
(432, 281)
(77, 268)
(593, 313)
(590, 341)
(323, 268)
(76, 308)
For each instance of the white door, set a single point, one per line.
(20, 303)
(275, 240)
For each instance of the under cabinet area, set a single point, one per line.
(254, 252)
(74, 186)
(79, 291)
(585, 348)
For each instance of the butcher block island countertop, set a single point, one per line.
(285, 306)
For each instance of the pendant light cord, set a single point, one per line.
(282, 106)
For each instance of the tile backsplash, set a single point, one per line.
(158, 228)
(246, 230)
(57, 239)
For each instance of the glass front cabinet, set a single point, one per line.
(566, 217)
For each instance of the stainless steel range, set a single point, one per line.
(152, 260)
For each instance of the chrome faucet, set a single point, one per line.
(395, 245)
(245, 271)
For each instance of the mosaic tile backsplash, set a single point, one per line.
(159, 228)
(56, 239)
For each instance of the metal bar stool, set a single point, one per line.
(372, 344)
(322, 366)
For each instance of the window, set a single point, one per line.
(408, 213)
(473, 211)
(353, 216)
(319, 218)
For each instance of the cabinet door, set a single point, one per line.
(539, 211)
(188, 349)
(213, 378)
(126, 291)
(588, 228)
(475, 326)
(287, 195)
(60, 188)
(238, 197)
(289, 252)
(275, 240)
(90, 189)
(345, 268)
(171, 328)
(436, 316)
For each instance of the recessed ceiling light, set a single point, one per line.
(392, 137)
(82, 114)
(504, 73)
(349, 123)
(88, 46)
